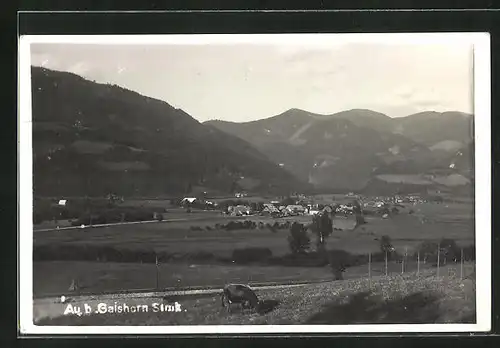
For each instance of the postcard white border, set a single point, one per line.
(482, 120)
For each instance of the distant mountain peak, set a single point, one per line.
(299, 112)
(360, 112)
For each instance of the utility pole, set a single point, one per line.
(461, 263)
(438, 251)
(370, 270)
(418, 262)
(157, 273)
(403, 262)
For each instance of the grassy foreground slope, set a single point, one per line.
(407, 299)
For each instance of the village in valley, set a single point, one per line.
(303, 205)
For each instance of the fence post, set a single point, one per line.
(439, 252)
(370, 270)
(386, 263)
(418, 262)
(157, 273)
(461, 263)
(405, 258)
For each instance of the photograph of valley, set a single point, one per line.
(279, 183)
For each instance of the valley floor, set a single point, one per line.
(430, 222)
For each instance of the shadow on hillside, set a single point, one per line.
(364, 308)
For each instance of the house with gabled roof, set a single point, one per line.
(189, 200)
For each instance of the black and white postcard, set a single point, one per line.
(278, 183)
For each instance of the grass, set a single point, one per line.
(55, 277)
(429, 222)
(407, 299)
(404, 178)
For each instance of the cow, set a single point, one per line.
(239, 294)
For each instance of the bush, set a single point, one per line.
(312, 259)
(238, 225)
(201, 256)
(338, 260)
(298, 240)
(322, 227)
(386, 244)
(449, 250)
(338, 256)
(60, 252)
(248, 255)
(230, 226)
(428, 251)
(159, 216)
(116, 215)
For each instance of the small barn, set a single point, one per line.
(295, 209)
(239, 210)
(188, 201)
(270, 208)
(62, 202)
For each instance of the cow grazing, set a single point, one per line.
(239, 294)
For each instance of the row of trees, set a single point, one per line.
(444, 251)
(321, 227)
(299, 242)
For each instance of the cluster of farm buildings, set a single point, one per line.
(304, 206)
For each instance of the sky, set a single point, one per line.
(245, 82)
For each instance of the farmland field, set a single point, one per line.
(55, 277)
(428, 222)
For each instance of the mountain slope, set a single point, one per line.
(347, 150)
(92, 139)
(326, 150)
(365, 118)
(432, 127)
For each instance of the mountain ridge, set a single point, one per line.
(92, 139)
(338, 113)
(347, 150)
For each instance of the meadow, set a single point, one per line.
(428, 222)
